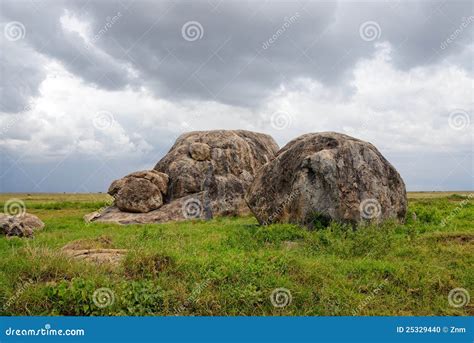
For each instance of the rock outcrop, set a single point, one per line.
(208, 173)
(221, 162)
(185, 208)
(327, 176)
(22, 225)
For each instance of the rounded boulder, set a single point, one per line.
(327, 176)
(140, 192)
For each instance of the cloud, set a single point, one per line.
(229, 64)
(21, 75)
(117, 82)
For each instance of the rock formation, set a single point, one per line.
(22, 225)
(141, 191)
(206, 173)
(327, 176)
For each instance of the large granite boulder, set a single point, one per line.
(208, 173)
(327, 176)
(220, 162)
(141, 191)
(22, 225)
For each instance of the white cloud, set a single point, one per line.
(71, 23)
(398, 111)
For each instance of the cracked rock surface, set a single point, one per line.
(206, 172)
(327, 176)
(22, 225)
(141, 191)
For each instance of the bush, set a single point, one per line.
(81, 297)
(73, 298)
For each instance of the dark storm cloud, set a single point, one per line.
(22, 69)
(21, 73)
(229, 64)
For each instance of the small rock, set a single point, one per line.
(89, 217)
(99, 256)
(97, 250)
(22, 225)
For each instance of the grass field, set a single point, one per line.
(231, 266)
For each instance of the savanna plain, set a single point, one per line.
(232, 266)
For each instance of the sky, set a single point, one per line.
(93, 90)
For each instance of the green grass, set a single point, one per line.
(230, 266)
